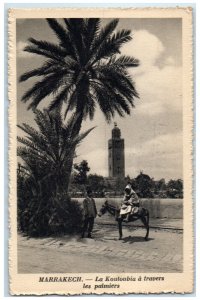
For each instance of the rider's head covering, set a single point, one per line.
(128, 188)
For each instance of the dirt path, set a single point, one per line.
(162, 253)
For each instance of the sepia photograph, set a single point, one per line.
(101, 135)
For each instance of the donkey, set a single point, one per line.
(114, 210)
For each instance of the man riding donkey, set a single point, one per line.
(130, 204)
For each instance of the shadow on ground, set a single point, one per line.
(135, 239)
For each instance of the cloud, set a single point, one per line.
(144, 46)
(159, 88)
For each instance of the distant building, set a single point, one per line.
(116, 164)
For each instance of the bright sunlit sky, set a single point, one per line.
(153, 132)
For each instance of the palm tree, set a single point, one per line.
(44, 206)
(48, 151)
(83, 69)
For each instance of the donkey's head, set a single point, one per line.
(103, 209)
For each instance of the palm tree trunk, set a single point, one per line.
(76, 129)
(69, 171)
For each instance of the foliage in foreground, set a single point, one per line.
(44, 217)
(43, 178)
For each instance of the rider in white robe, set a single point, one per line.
(130, 203)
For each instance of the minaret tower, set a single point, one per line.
(116, 165)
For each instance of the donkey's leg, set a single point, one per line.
(146, 224)
(120, 229)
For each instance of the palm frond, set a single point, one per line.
(58, 30)
(120, 81)
(81, 136)
(35, 50)
(47, 68)
(43, 88)
(63, 37)
(122, 105)
(124, 61)
(121, 37)
(29, 130)
(92, 27)
(76, 28)
(28, 143)
(55, 50)
(50, 123)
(51, 147)
(117, 101)
(36, 138)
(31, 155)
(72, 102)
(64, 94)
(90, 106)
(112, 45)
(103, 99)
(104, 34)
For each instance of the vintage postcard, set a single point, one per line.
(100, 159)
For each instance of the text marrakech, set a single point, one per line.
(60, 279)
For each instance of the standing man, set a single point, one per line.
(90, 213)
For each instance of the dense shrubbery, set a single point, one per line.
(40, 215)
(44, 206)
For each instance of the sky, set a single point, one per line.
(153, 131)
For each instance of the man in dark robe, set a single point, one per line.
(90, 213)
